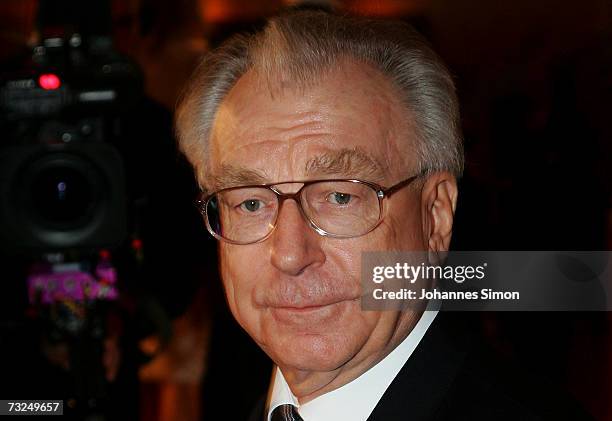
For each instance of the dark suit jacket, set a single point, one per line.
(450, 376)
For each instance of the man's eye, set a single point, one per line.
(338, 198)
(251, 205)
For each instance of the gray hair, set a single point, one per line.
(301, 45)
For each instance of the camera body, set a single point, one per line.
(62, 180)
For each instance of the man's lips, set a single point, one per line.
(308, 305)
(310, 313)
(308, 316)
(303, 309)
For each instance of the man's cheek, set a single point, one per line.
(233, 281)
(239, 293)
(241, 279)
(397, 234)
(345, 253)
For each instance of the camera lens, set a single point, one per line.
(61, 192)
(58, 197)
(61, 195)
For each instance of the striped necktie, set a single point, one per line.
(285, 412)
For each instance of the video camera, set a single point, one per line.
(61, 110)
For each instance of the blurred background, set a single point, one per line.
(109, 295)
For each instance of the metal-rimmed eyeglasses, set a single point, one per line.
(342, 208)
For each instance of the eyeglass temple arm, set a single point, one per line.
(390, 190)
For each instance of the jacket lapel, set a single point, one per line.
(417, 391)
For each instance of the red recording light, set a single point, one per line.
(49, 81)
(136, 243)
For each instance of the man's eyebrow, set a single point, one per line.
(232, 176)
(353, 163)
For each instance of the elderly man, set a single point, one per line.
(314, 140)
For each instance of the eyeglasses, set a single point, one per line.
(334, 208)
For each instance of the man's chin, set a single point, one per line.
(312, 352)
(314, 339)
(310, 363)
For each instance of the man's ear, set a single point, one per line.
(439, 199)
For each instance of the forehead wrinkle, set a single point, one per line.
(301, 120)
(347, 162)
(300, 123)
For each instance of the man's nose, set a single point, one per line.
(295, 245)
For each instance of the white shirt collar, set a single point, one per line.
(356, 400)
